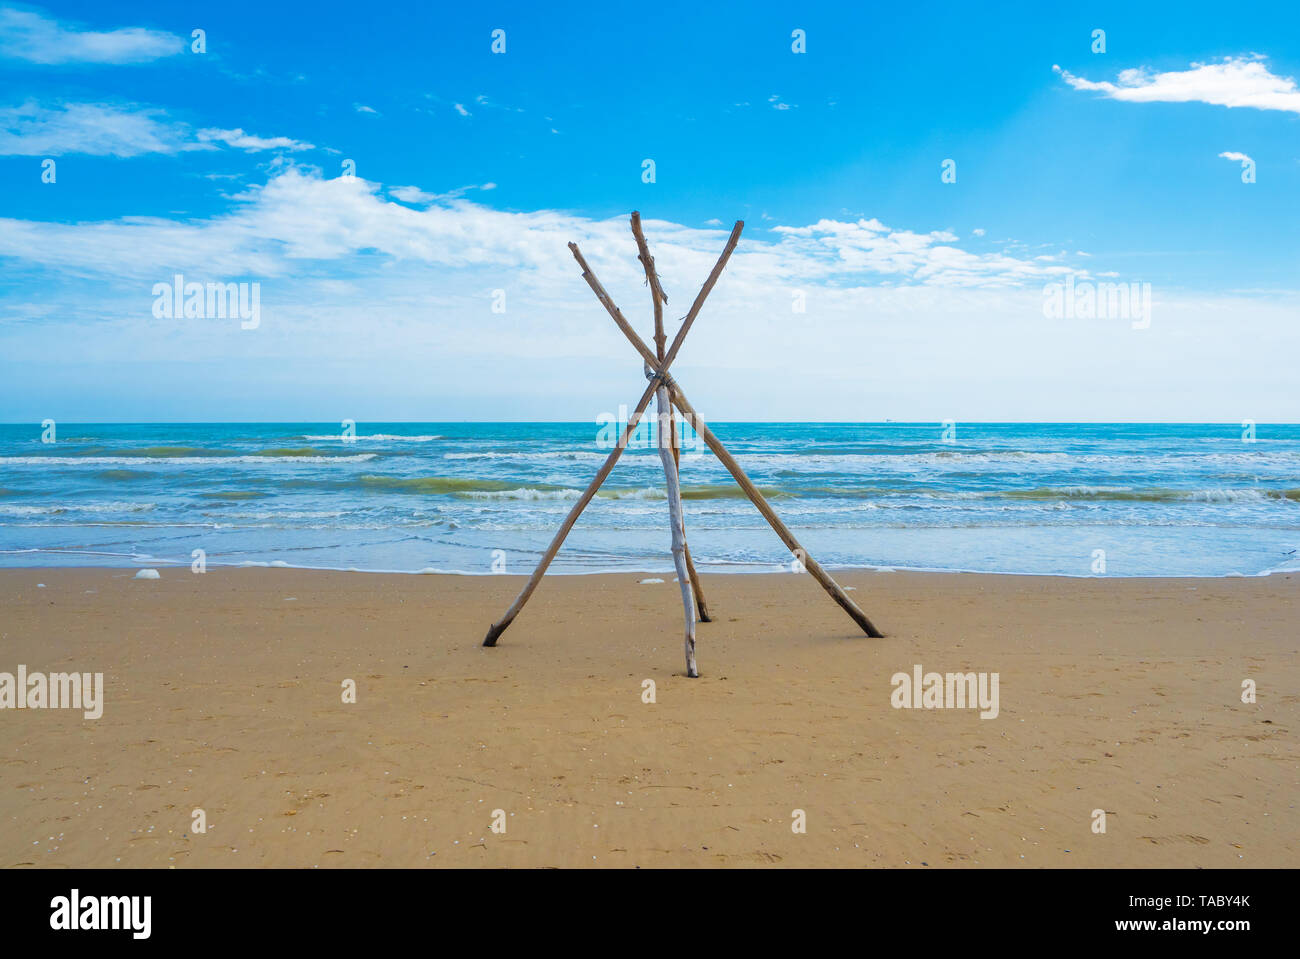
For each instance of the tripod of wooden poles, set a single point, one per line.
(668, 394)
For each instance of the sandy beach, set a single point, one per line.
(223, 692)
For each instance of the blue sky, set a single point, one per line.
(923, 299)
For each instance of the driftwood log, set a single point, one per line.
(676, 522)
(664, 406)
(499, 627)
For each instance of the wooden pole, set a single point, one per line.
(700, 602)
(678, 526)
(700, 297)
(657, 295)
(813, 567)
(589, 275)
(664, 405)
(499, 627)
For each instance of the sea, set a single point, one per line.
(1075, 499)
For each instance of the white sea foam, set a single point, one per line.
(648, 493)
(56, 509)
(531, 455)
(285, 514)
(523, 493)
(375, 437)
(943, 460)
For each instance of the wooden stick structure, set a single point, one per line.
(668, 394)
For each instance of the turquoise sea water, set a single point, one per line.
(1155, 499)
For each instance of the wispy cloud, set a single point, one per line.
(413, 194)
(483, 101)
(460, 108)
(831, 248)
(97, 129)
(1238, 157)
(121, 130)
(362, 108)
(1233, 82)
(249, 143)
(31, 35)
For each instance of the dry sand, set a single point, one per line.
(223, 692)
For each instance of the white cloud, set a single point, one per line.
(483, 101)
(831, 248)
(1234, 82)
(461, 109)
(32, 36)
(121, 130)
(413, 194)
(297, 216)
(1238, 157)
(249, 143)
(98, 129)
(362, 108)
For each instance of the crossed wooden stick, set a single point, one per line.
(668, 394)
